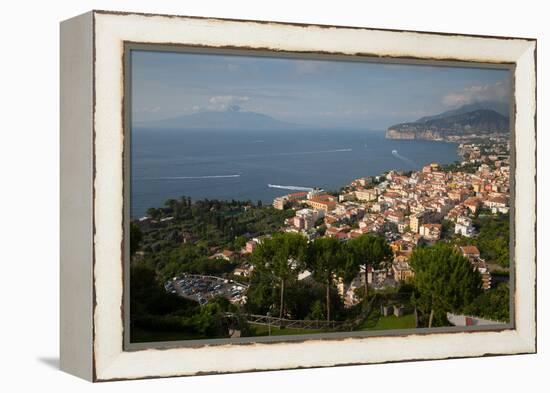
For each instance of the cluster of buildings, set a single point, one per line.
(409, 210)
(474, 256)
(495, 149)
(285, 200)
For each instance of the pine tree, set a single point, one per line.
(444, 280)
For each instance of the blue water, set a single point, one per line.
(240, 164)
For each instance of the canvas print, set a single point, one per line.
(288, 196)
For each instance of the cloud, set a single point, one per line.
(228, 99)
(498, 91)
(228, 102)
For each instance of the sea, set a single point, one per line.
(261, 165)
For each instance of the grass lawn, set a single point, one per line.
(261, 330)
(388, 323)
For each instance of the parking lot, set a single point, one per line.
(203, 288)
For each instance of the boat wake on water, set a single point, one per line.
(293, 188)
(406, 160)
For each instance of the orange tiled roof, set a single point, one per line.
(469, 250)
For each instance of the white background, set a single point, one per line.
(29, 204)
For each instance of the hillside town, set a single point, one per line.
(409, 209)
(355, 198)
(211, 251)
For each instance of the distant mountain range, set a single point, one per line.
(499, 107)
(231, 119)
(479, 118)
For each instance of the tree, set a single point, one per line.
(240, 242)
(135, 238)
(283, 256)
(326, 257)
(148, 297)
(369, 250)
(493, 238)
(447, 229)
(171, 204)
(444, 280)
(261, 295)
(301, 295)
(209, 320)
(154, 213)
(492, 304)
(317, 312)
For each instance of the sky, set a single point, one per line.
(309, 92)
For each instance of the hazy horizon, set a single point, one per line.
(310, 93)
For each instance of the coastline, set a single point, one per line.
(329, 161)
(207, 246)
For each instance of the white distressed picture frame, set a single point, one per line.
(92, 190)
